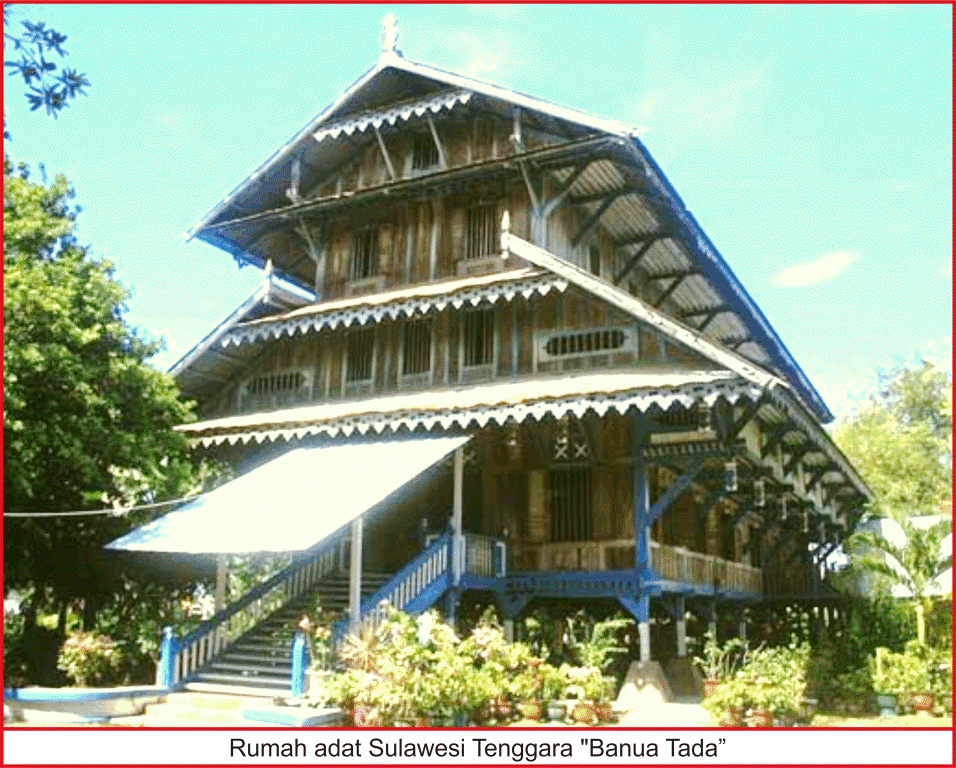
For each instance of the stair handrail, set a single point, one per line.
(428, 566)
(180, 657)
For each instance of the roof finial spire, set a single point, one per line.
(390, 36)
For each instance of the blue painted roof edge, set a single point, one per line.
(764, 330)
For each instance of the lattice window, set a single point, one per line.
(417, 346)
(482, 231)
(585, 342)
(359, 352)
(478, 336)
(364, 254)
(273, 383)
(570, 504)
(424, 152)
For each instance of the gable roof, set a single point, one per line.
(645, 211)
(203, 365)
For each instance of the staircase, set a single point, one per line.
(258, 663)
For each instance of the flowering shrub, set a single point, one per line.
(89, 658)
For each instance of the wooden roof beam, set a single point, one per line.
(564, 190)
(669, 291)
(705, 312)
(385, 154)
(595, 217)
(799, 452)
(776, 438)
(712, 316)
(442, 155)
(674, 273)
(646, 244)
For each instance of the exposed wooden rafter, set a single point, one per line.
(645, 245)
(385, 154)
(592, 220)
(442, 155)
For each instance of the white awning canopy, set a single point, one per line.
(293, 502)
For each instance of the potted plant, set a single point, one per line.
(602, 702)
(727, 702)
(717, 662)
(917, 674)
(554, 683)
(526, 688)
(885, 673)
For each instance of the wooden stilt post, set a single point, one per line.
(681, 626)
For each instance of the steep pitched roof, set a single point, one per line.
(676, 254)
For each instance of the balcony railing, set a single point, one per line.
(675, 563)
(682, 564)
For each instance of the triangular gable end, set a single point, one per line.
(640, 310)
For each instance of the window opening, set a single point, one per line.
(424, 152)
(275, 382)
(360, 348)
(482, 232)
(416, 346)
(569, 495)
(364, 254)
(584, 342)
(478, 328)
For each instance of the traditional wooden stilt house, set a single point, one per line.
(511, 362)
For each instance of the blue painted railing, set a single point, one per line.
(413, 589)
(182, 657)
(572, 583)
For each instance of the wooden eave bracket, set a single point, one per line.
(679, 485)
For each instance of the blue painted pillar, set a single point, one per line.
(640, 501)
(641, 532)
(168, 648)
(298, 665)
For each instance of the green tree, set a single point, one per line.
(914, 561)
(32, 51)
(87, 421)
(900, 439)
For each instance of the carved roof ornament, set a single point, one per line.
(389, 36)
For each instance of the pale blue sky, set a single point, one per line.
(812, 143)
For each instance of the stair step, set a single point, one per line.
(276, 658)
(201, 686)
(252, 678)
(213, 700)
(258, 668)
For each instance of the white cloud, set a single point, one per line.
(818, 271)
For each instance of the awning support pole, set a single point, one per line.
(220, 581)
(355, 576)
(456, 514)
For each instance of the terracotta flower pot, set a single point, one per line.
(731, 718)
(583, 712)
(531, 710)
(360, 716)
(603, 711)
(709, 687)
(503, 709)
(760, 718)
(922, 702)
